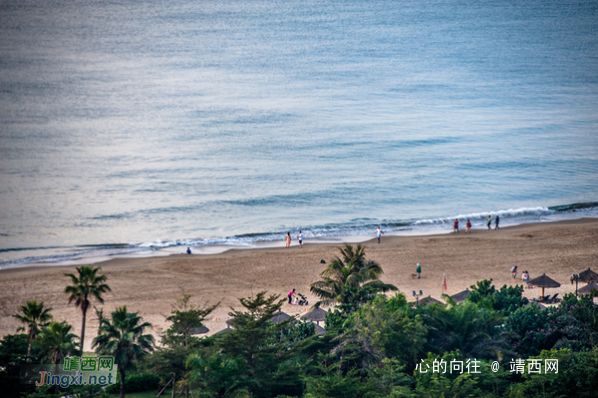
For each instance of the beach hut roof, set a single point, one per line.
(315, 314)
(544, 281)
(280, 317)
(225, 330)
(429, 301)
(588, 276)
(319, 329)
(200, 330)
(461, 296)
(587, 289)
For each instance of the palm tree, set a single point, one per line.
(350, 278)
(56, 342)
(35, 316)
(467, 327)
(85, 286)
(123, 338)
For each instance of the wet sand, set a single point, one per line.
(151, 285)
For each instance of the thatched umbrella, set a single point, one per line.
(587, 289)
(319, 329)
(588, 276)
(280, 317)
(429, 301)
(461, 296)
(226, 330)
(544, 282)
(316, 314)
(200, 330)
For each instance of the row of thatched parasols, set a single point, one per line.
(588, 276)
(317, 314)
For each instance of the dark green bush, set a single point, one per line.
(136, 383)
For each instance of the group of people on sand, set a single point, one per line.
(379, 231)
(456, 226)
(299, 237)
(524, 276)
(468, 224)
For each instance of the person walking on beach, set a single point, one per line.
(456, 226)
(489, 221)
(300, 237)
(291, 293)
(379, 233)
(514, 272)
(525, 278)
(496, 220)
(467, 226)
(288, 239)
(419, 271)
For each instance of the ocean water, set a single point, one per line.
(143, 127)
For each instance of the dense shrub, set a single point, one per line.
(137, 383)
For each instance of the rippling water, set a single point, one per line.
(127, 126)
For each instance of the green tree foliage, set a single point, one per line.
(335, 385)
(138, 382)
(350, 280)
(185, 318)
(370, 350)
(178, 343)
(35, 316)
(577, 376)
(437, 377)
(257, 357)
(14, 351)
(218, 375)
(167, 363)
(390, 380)
(378, 332)
(56, 342)
(472, 329)
(337, 321)
(584, 316)
(122, 337)
(86, 284)
(506, 300)
(533, 329)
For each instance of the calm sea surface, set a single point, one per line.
(140, 126)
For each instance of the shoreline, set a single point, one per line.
(220, 248)
(151, 284)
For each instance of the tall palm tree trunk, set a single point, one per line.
(84, 311)
(31, 337)
(122, 381)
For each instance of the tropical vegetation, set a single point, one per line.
(123, 338)
(87, 284)
(493, 344)
(35, 316)
(350, 280)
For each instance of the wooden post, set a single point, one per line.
(164, 388)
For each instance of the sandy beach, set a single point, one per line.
(151, 285)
